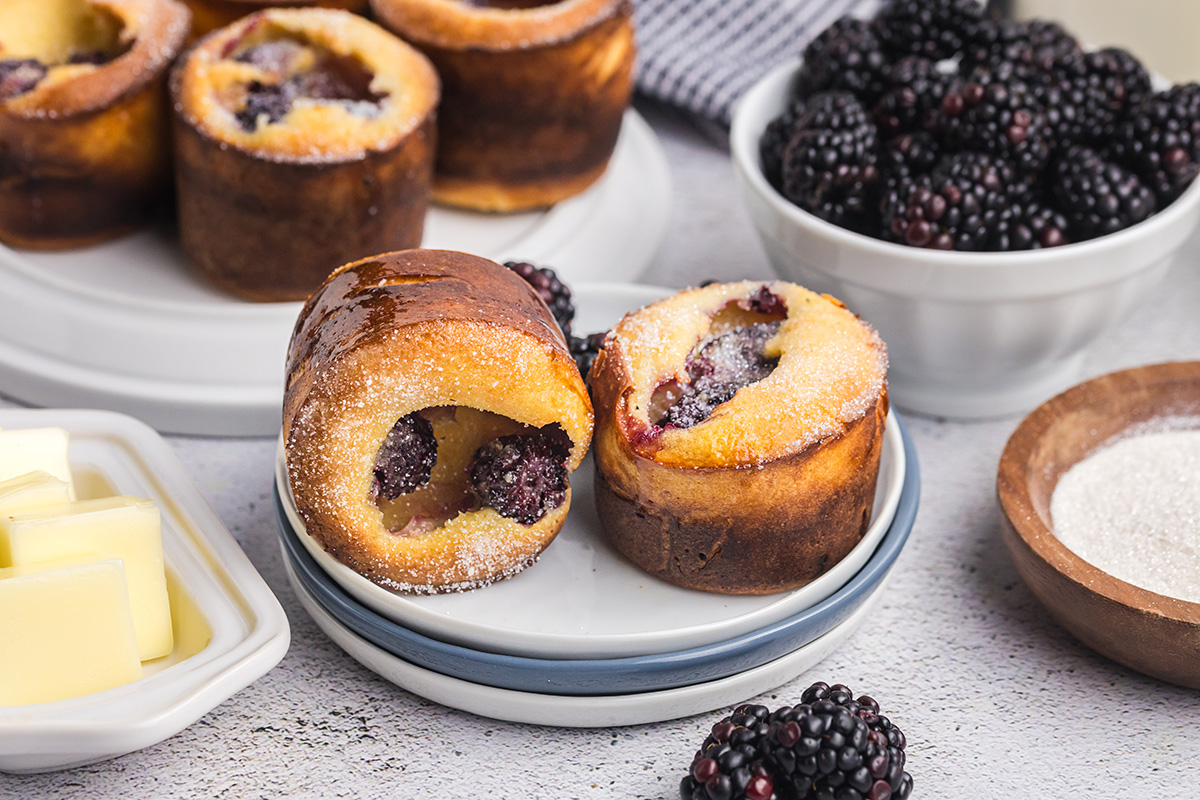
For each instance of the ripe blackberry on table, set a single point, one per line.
(729, 764)
(1003, 118)
(888, 739)
(845, 56)
(1159, 139)
(915, 87)
(934, 29)
(832, 750)
(554, 293)
(964, 204)
(1097, 196)
(831, 745)
(829, 166)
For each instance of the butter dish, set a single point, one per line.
(229, 629)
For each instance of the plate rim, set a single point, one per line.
(582, 647)
(651, 671)
(585, 711)
(525, 643)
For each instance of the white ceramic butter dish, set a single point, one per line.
(229, 628)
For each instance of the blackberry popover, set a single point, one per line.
(304, 139)
(208, 15)
(84, 132)
(533, 93)
(432, 418)
(739, 429)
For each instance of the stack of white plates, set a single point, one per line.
(583, 638)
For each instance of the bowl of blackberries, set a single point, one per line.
(992, 195)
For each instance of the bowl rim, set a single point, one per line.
(743, 144)
(1012, 488)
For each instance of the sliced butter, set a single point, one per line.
(30, 449)
(114, 527)
(33, 491)
(66, 629)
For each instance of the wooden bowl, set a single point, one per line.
(1151, 633)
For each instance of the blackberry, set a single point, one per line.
(915, 87)
(827, 751)
(718, 368)
(20, 75)
(984, 114)
(888, 740)
(584, 350)
(333, 77)
(271, 101)
(1030, 46)
(405, 459)
(1160, 140)
(729, 764)
(934, 29)
(1029, 226)
(554, 293)
(1099, 87)
(845, 56)
(1096, 196)
(962, 205)
(522, 476)
(829, 166)
(93, 57)
(774, 139)
(906, 156)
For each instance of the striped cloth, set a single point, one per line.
(701, 55)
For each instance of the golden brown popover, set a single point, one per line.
(208, 15)
(304, 138)
(533, 93)
(432, 416)
(84, 138)
(738, 434)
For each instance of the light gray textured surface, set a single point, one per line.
(996, 699)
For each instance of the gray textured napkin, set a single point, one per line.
(701, 55)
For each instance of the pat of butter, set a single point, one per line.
(32, 491)
(30, 449)
(113, 527)
(66, 630)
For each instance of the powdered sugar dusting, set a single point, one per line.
(831, 372)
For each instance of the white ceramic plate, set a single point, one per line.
(580, 712)
(229, 628)
(127, 326)
(583, 600)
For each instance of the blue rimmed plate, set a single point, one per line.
(603, 606)
(610, 676)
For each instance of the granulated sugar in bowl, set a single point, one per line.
(1132, 508)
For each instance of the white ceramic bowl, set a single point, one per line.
(969, 335)
(229, 628)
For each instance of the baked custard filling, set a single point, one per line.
(294, 73)
(736, 352)
(440, 462)
(63, 36)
